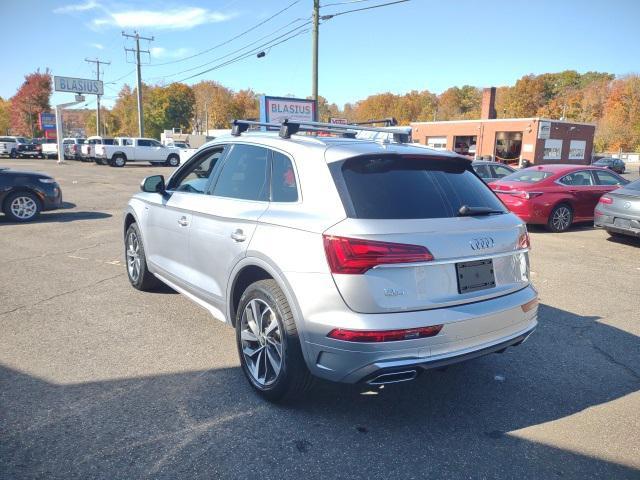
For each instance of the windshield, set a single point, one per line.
(603, 161)
(527, 176)
(398, 187)
(21, 140)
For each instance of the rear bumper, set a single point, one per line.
(527, 210)
(469, 331)
(618, 223)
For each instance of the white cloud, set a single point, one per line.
(77, 7)
(99, 46)
(161, 52)
(174, 19)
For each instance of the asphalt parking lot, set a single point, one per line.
(98, 380)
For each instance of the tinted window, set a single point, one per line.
(67, 142)
(144, 143)
(579, 178)
(245, 174)
(108, 141)
(606, 178)
(501, 171)
(528, 175)
(154, 143)
(396, 187)
(195, 177)
(283, 179)
(483, 171)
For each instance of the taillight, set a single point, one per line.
(384, 335)
(523, 241)
(606, 200)
(356, 256)
(526, 195)
(530, 305)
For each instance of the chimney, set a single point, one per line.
(488, 109)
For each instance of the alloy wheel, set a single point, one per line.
(261, 342)
(561, 218)
(133, 256)
(23, 208)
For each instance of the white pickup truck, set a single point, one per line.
(87, 151)
(137, 150)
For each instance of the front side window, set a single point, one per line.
(245, 174)
(577, 179)
(154, 143)
(195, 177)
(283, 179)
(144, 143)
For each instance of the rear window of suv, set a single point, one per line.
(398, 187)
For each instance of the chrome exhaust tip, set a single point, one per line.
(393, 377)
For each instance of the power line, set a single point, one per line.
(240, 49)
(245, 55)
(118, 79)
(229, 40)
(327, 17)
(343, 3)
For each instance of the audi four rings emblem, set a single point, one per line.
(481, 243)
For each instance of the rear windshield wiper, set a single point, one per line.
(467, 211)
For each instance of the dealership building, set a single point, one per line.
(510, 140)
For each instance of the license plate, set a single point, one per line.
(474, 276)
(622, 223)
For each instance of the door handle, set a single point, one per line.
(183, 222)
(238, 236)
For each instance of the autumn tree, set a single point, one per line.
(125, 110)
(168, 107)
(245, 105)
(213, 105)
(110, 122)
(620, 124)
(459, 103)
(5, 116)
(31, 99)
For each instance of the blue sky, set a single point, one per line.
(421, 44)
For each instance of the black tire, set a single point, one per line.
(293, 378)
(118, 161)
(560, 218)
(145, 280)
(13, 154)
(99, 161)
(172, 160)
(30, 210)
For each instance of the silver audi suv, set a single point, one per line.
(346, 259)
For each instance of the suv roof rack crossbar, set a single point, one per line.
(288, 128)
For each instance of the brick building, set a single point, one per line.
(511, 140)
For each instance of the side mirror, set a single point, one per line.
(153, 184)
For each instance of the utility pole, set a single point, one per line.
(206, 117)
(98, 63)
(139, 76)
(314, 49)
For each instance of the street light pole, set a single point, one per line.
(314, 49)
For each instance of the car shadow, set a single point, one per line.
(464, 422)
(59, 216)
(624, 240)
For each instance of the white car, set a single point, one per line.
(9, 145)
(88, 149)
(137, 150)
(350, 260)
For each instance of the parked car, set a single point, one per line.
(556, 195)
(88, 149)
(350, 260)
(491, 171)
(619, 211)
(138, 150)
(29, 149)
(614, 164)
(71, 148)
(49, 148)
(10, 145)
(23, 195)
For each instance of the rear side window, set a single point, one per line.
(108, 141)
(577, 179)
(245, 174)
(397, 187)
(283, 179)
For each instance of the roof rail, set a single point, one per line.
(288, 128)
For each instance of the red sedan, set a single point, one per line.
(556, 195)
